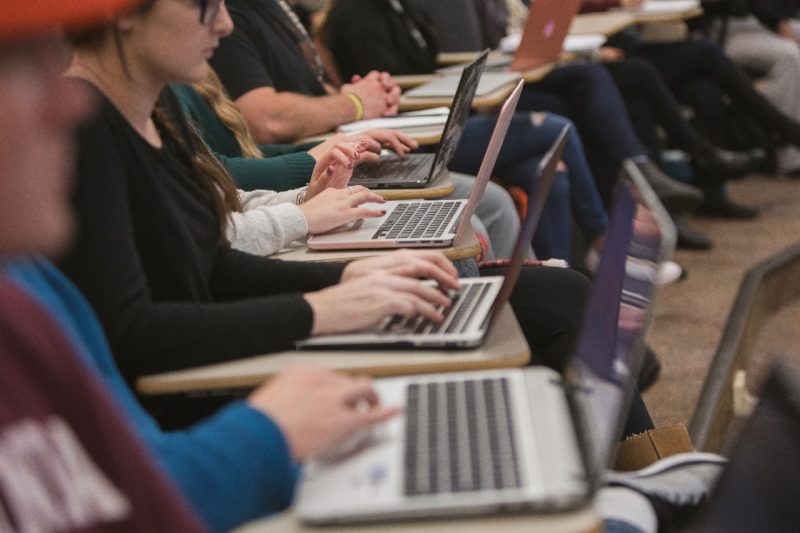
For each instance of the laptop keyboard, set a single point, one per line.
(456, 317)
(417, 220)
(394, 167)
(459, 437)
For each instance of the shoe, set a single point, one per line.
(677, 197)
(670, 272)
(675, 486)
(689, 239)
(649, 371)
(717, 165)
(720, 206)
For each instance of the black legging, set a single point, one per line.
(642, 86)
(688, 61)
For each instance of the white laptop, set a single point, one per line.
(445, 86)
(419, 170)
(468, 319)
(421, 223)
(481, 442)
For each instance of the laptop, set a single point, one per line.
(543, 37)
(419, 170)
(480, 442)
(758, 490)
(421, 223)
(468, 319)
(542, 40)
(444, 86)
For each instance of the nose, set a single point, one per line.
(223, 25)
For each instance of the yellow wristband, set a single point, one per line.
(357, 104)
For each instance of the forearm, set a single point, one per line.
(203, 464)
(275, 117)
(266, 229)
(280, 173)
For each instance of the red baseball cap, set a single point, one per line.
(26, 18)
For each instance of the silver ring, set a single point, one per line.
(349, 190)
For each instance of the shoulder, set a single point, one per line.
(29, 336)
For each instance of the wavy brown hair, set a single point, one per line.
(214, 94)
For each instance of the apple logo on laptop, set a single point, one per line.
(549, 28)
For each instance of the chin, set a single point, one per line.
(197, 75)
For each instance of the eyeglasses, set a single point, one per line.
(209, 10)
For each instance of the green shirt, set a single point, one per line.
(285, 167)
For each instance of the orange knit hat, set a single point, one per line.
(26, 18)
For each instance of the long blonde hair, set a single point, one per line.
(214, 94)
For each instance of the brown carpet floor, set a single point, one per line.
(690, 315)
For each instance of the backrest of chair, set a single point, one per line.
(766, 289)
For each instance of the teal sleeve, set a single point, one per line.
(280, 173)
(271, 150)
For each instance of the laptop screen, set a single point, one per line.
(608, 354)
(457, 118)
(537, 197)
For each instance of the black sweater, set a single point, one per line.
(149, 259)
(366, 35)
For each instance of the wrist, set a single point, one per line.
(357, 104)
(301, 196)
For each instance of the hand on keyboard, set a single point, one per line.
(335, 207)
(408, 263)
(365, 301)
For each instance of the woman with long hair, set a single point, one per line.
(154, 206)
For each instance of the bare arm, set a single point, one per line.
(275, 117)
(286, 116)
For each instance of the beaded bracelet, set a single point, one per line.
(357, 103)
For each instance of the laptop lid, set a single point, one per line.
(601, 374)
(543, 37)
(537, 197)
(758, 490)
(459, 112)
(490, 157)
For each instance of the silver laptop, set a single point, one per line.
(419, 170)
(470, 316)
(480, 442)
(421, 223)
(445, 86)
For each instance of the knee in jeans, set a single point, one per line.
(498, 196)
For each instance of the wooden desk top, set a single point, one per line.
(505, 347)
(412, 80)
(465, 247)
(441, 187)
(583, 520)
(642, 17)
(445, 59)
(606, 23)
(488, 101)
